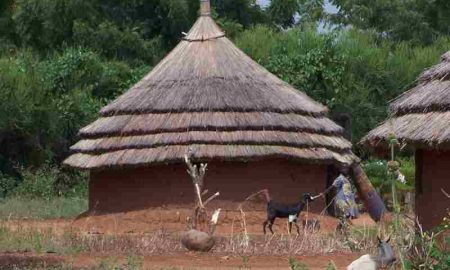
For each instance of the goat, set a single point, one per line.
(279, 210)
(384, 259)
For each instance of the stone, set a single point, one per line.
(195, 240)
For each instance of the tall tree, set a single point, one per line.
(282, 12)
(415, 20)
(244, 12)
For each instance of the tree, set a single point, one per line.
(282, 12)
(405, 20)
(244, 12)
(6, 22)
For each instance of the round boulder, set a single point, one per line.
(197, 241)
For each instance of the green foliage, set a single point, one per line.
(296, 265)
(27, 121)
(14, 207)
(243, 12)
(134, 262)
(7, 184)
(282, 12)
(377, 172)
(331, 266)
(113, 42)
(430, 251)
(45, 103)
(61, 60)
(420, 21)
(47, 182)
(351, 72)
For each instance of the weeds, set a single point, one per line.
(296, 265)
(331, 266)
(26, 208)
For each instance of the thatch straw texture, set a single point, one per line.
(207, 95)
(420, 116)
(175, 153)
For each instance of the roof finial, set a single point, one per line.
(205, 8)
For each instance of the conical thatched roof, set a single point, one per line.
(421, 116)
(211, 98)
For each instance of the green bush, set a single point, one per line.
(296, 265)
(430, 252)
(377, 172)
(49, 182)
(7, 184)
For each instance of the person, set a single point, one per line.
(345, 204)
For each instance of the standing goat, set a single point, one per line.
(279, 210)
(384, 259)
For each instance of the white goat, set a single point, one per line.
(384, 259)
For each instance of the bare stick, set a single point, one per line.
(445, 193)
(264, 191)
(211, 198)
(199, 197)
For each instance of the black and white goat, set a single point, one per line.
(280, 210)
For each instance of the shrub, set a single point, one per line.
(48, 182)
(7, 183)
(296, 265)
(377, 172)
(427, 251)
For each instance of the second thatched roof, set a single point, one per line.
(420, 116)
(209, 98)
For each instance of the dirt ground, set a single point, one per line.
(141, 222)
(174, 261)
(138, 222)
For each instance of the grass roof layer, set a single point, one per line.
(420, 116)
(210, 97)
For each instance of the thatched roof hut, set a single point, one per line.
(210, 98)
(208, 95)
(421, 115)
(420, 119)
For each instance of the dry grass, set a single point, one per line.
(160, 242)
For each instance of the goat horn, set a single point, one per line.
(388, 238)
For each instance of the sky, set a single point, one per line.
(328, 7)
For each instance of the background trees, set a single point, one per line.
(61, 60)
(420, 21)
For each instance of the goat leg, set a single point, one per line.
(298, 228)
(264, 226)
(270, 226)
(290, 227)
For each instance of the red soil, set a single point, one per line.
(146, 221)
(184, 261)
(141, 222)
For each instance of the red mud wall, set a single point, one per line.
(431, 204)
(170, 185)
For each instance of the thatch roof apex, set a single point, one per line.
(208, 93)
